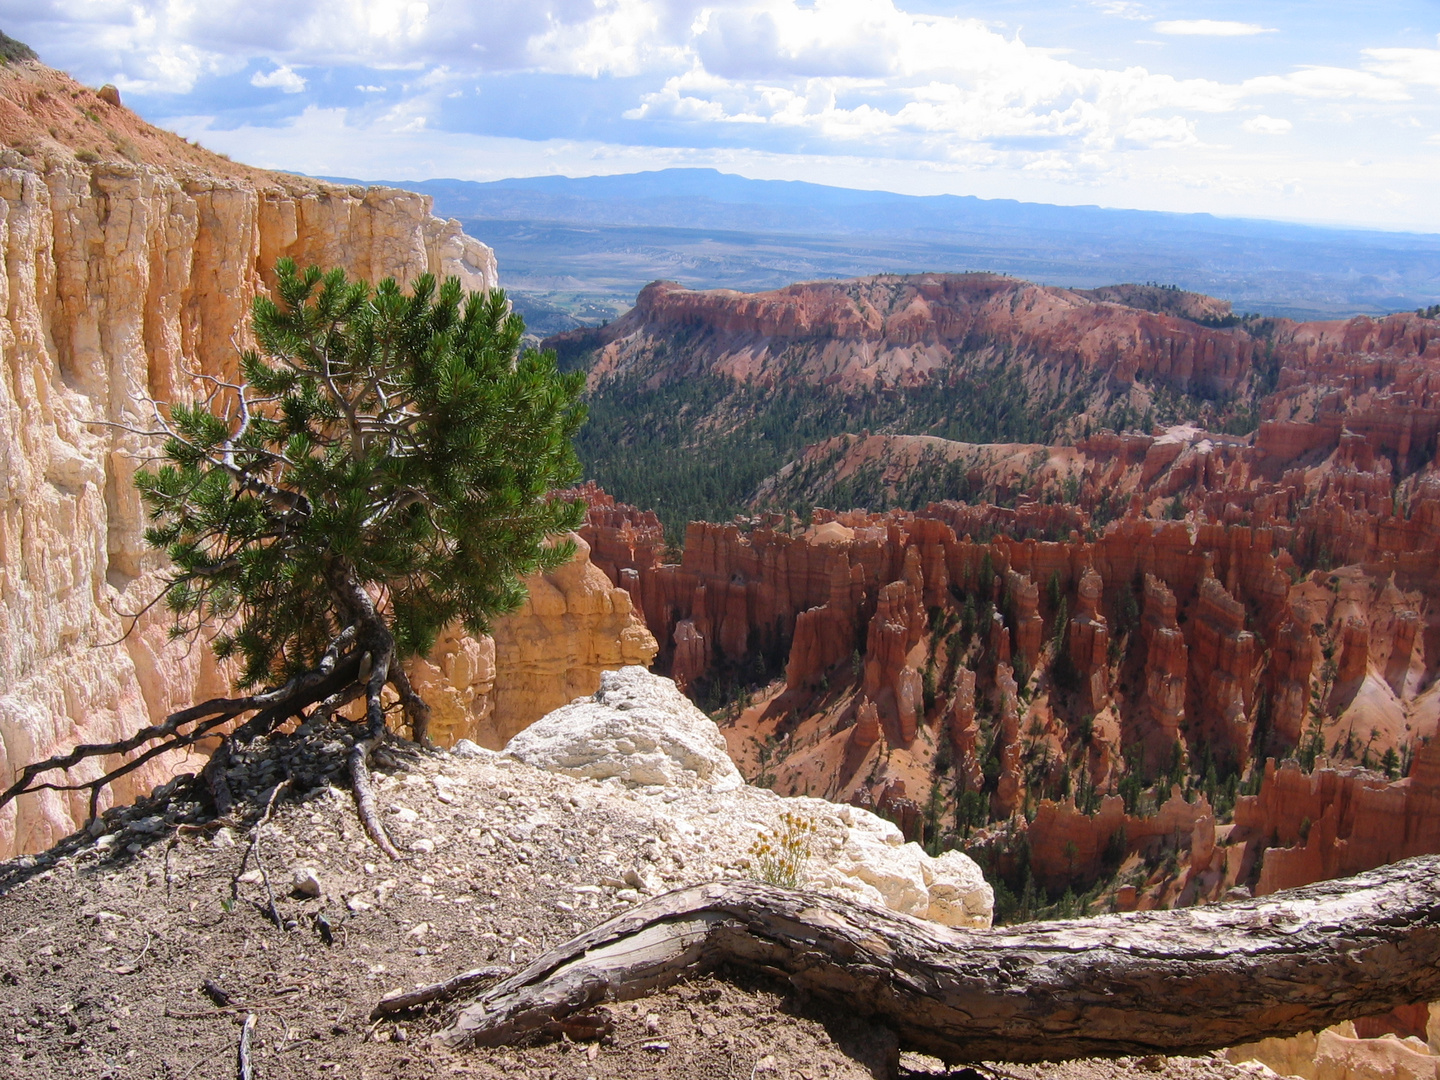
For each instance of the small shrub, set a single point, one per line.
(128, 150)
(12, 51)
(89, 157)
(779, 856)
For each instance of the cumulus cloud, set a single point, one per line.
(283, 78)
(863, 70)
(1267, 125)
(1210, 28)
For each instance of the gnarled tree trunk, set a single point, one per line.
(1155, 982)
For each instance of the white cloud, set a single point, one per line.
(1122, 9)
(1210, 28)
(838, 79)
(1267, 125)
(1329, 82)
(1295, 186)
(851, 71)
(282, 78)
(1420, 67)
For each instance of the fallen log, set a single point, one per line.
(1168, 982)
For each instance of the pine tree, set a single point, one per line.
(381, 469)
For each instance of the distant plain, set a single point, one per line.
(576, 251)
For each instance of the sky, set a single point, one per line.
(1316, 111)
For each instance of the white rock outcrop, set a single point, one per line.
(638, 728)
(646, 739)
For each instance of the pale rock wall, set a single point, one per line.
(119, 281)
(1337, 1053)
(573, 626)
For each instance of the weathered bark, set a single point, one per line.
(1168, 982)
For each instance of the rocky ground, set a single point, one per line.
(139, 950)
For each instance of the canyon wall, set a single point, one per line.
(124, 281)
(1053, 624)
(900, 330)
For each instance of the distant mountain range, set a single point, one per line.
(577, 250)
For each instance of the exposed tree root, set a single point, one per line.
(359, 662)
(242, 1053)
(253, 852)
(1157, 982)
(365, 795)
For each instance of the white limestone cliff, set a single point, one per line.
(120, 281)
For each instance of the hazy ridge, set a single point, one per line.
(579, 249)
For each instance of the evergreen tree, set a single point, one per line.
(382, 468)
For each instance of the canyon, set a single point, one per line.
(1100, 618)
(1139, 608)
(1150, 663)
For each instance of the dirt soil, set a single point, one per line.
(109, 942)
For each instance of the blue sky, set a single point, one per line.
(1317, 111)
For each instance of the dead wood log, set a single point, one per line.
(1169, 982)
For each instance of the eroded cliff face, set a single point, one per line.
(941, 653)
(131, 279)
(574, 626)
(896, 330)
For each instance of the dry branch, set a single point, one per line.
(407, 1000)
(271, 909)
(271, 708)
(1168, 982)
(364, 793)
(242, 1053)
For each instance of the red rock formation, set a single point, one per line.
(1068, 847)
(1296, 652)
(1354, 651)
(1336, 822)
(866, 732)
(619, 536)
(1212, 594)
(1029, 630)
(895, 329)
(964, 731)
(691, 654)
(1308, 558)
(1008, 791)
(1166, 670)
(1089, 642)
(1222, 665)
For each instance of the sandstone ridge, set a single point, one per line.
(895, 330)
